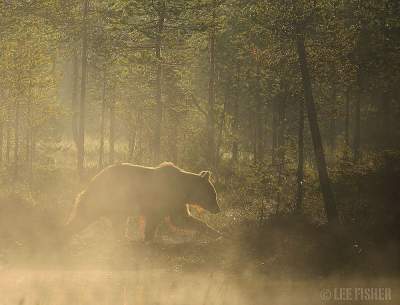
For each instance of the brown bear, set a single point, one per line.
(155, 192)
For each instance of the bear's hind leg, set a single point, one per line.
(150, 228)
(119, 228)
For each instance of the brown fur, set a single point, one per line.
(154, 192)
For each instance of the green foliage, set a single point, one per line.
(368, 192)
(353, 57)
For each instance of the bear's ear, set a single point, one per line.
(205, 174)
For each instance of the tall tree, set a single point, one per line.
(81, 133)
(300, 160)
(159, 79)
(211, 152)
(102, 122)
(347, 120)
(74, 96)
(259, 134)
(326, 188)
(111, 140)
(235, 115)
(361, 81)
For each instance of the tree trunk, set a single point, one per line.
(29, 142)
(300, 164)
(211, 158)
(132, 142)
(357, 128)
(112, 132)
(139, 136)
(361, 74)
(347, 120)
(27, 146)
(1, 142)
(102, 123)
(332, 126)
(16, 138)
(173, 124)
(386, 114)
(32, 150)
(274, 128)
(327, 193)
(235, 118)
(8, 142)
(281, 126)
(258, 140)
(174, 136)
(81, 135)
(159, 78)
(74, 97)
(221, 126)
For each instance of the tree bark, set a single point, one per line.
(74, 97)
(139, 136)
(211, 152)
(274, 128)
(326, 188)
(32, 151)
(159, 78)
(174, 145)
(16, 138)
(221, 126)
(386, 121)
(29, 142)
(258, 141)
(112, 132)
(8, 142)
(332, 125)
(235, 118)
(27, 146)
(361, 73)
(300, 161)
(347, 120)
(357, 129)
(173, 124)
(132, 142)
(81, 134)
(281, 126)
(1, 142)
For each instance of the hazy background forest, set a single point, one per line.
(292, 105)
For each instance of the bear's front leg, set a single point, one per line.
(119, 228)
(150, 227)
(185, 219)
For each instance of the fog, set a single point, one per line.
(178, 267)
(255, 147)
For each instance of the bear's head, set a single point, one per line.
(205, 194)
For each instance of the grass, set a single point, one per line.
(273, 256)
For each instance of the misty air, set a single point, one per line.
(206, 152)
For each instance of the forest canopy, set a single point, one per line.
(266, 94)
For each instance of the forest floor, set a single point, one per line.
(284, 261)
